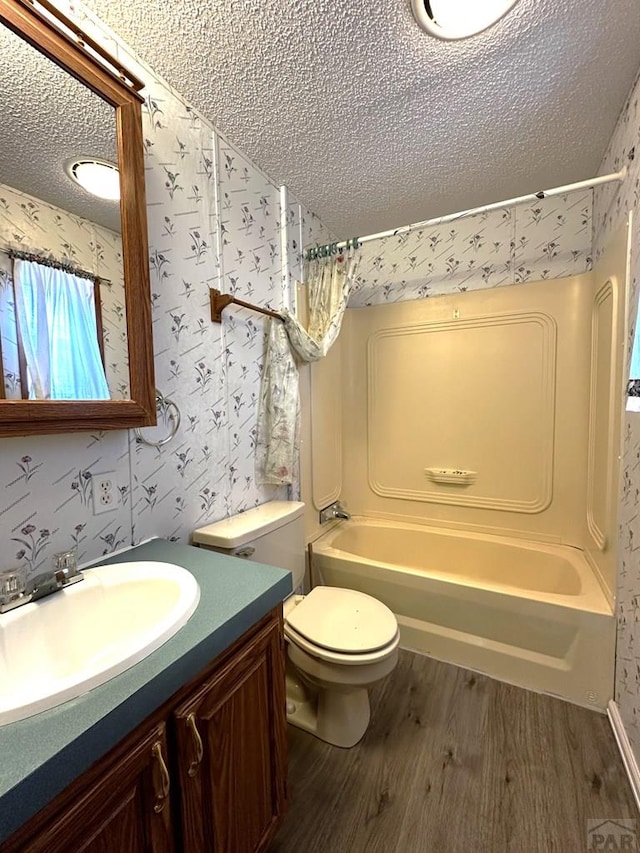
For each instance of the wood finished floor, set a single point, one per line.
(454, 762)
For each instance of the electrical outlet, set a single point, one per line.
(104, 492)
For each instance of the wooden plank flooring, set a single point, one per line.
(454, 762)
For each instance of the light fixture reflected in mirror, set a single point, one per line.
(98, 177)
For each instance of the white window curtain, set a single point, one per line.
(329, 283)
(56, 317)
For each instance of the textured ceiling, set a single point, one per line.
(47, 118)
(373, 123)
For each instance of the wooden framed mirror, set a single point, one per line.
(71, 101)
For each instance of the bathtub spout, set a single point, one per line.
(335, 510)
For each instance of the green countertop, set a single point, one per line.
(43, 754)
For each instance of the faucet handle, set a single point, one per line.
(12, 584)
(65, 565)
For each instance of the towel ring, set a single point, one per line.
(165, 403)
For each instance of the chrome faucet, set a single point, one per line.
(333, 511)
(14, 591)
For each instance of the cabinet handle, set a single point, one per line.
(195, 764)
(161, 797)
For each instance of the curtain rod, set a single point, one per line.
(333, 248)
(48, 261)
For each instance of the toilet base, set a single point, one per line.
(335, 716)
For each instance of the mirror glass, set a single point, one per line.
(62, 294)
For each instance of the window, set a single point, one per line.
(58, 321)
(633, 386)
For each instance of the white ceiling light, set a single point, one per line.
(459, 19)
(98, 177)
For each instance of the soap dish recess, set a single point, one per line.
(451, 475)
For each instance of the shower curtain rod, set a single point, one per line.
(333, 248)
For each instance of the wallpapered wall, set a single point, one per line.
(548, 239)
(31, 225)
(611, 204)
(214, 221)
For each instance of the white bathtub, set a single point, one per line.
(529, 613)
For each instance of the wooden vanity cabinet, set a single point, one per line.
(206, 772)
(232, 746)
(118, 805)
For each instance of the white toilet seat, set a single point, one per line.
(341, 626)
(346, 658)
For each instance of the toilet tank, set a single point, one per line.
(272, 533)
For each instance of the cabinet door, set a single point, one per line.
(232, 750)
(124, 809)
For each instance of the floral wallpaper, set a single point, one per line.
(252, 270)
(214, 220)
(611, 203)
(32, 225)
(548, 239)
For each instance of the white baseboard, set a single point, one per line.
(628, 758)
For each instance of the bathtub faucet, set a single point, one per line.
(333, 511)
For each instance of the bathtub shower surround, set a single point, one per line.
(501, 408)
(508, 371)
(214, 221)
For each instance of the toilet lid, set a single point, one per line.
(343, 620)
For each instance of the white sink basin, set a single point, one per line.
(62, 646)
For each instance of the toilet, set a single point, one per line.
(339, 641)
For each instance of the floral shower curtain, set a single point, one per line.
(329, 282)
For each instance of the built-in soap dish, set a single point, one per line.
(454, 476)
